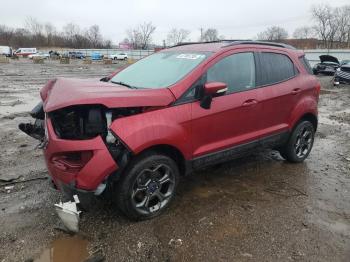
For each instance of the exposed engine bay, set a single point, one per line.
(80, 123)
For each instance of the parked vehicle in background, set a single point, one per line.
(342, 74)
(24, 52)
(6, 51)
(120, 56)
(96, 56)
(132, 134)
(75, 55)
(54, 54)
(327, 66)
(39, 55)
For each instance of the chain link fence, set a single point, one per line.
(132, 53)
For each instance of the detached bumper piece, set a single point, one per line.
(69, 214)
(36, 130)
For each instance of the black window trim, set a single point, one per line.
(183, 100)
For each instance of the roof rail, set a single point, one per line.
(252, 42)
(206, 42)
(231, 42)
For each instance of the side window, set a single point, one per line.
(306, 64)
(237, 71)
(275, 68)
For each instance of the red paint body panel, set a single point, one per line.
(168, 126)
(66, 92)
(232, 119)
(99, 167)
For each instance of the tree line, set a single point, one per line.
(330, 25)
(39, 34)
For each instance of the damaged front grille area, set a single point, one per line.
(79, 122)
(86, 121)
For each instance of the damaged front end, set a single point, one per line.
(81, 153)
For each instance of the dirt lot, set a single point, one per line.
(258, 208)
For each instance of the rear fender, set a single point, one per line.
(307, 105)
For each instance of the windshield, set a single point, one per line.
(159, 70)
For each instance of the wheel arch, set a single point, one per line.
(312, 118)
(172, 152)
(308, 117)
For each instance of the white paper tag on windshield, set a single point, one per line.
(189, 56)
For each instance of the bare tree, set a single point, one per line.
(141, 36)
(39, 35)
(342, 16)
(176, 36)
(211, 34)
(146, 31)
(94, 36)
(70, 30)
(273, 33)
(304, 32)
(6, 34)
(134, 37)
(33, 26)
(50, 32)
(326, 25)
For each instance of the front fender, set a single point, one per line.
(166, 126)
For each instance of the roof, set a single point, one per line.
(216, 46)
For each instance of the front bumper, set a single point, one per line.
(85, 176)
(342, 77)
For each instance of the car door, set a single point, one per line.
(279, 91)
(233, 118)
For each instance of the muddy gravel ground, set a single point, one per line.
(259, 208)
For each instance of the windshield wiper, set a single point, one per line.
(123, 84)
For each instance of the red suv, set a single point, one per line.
(135, 132)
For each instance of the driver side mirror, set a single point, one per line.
(211, 89)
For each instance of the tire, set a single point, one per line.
(125, 58)
(147, 187)
(115, 58)
(300, 143)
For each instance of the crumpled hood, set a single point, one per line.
(328, 58)
(63, 92)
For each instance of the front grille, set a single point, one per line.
(345, 69)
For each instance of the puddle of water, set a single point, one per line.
(66, 249)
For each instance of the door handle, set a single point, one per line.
(250, 102)
(296, 91)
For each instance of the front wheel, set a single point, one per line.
(300, 143)
(148, 186)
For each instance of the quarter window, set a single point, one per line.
(275, 68)
(237, 71)
(306, 64)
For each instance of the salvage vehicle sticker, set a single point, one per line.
(190, 56)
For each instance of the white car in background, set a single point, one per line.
(39, 55)
(120, 56)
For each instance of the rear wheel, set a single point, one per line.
(115, 58)
(300, 143)
(148, 186)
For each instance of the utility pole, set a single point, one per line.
(201, 39)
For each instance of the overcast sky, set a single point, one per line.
(233, 19)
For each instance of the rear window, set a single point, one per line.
(275, 68)
(305, 64)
